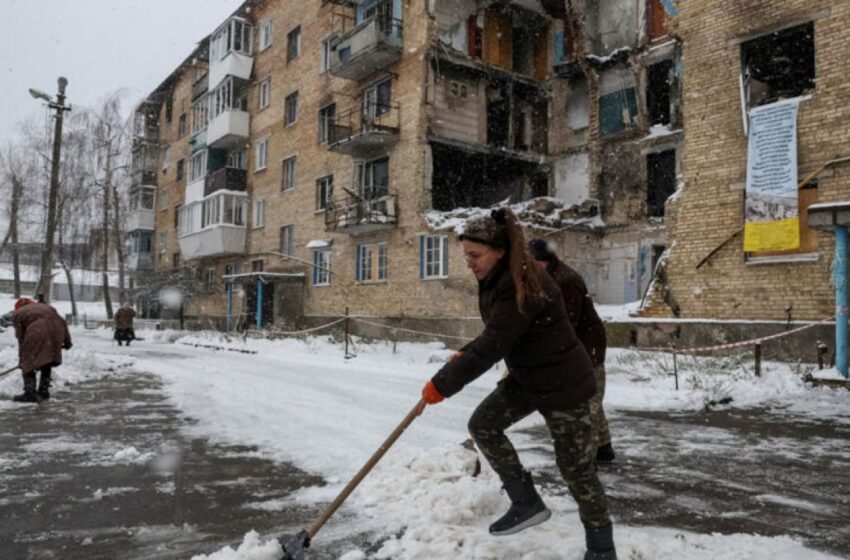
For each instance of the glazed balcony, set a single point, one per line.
(141, 219)
(140, 261)
(364, 130)
(354, 215)
(369, 46)
(214, 241)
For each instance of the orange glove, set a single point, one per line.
(430, 394)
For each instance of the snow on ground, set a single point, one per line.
(300, 401)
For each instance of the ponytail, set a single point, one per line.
(524, 271)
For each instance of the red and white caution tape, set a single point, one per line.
(740, 344)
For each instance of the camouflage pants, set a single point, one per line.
(572, 434)
(597, 412)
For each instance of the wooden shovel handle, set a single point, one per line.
(364, 470)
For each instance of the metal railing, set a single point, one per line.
(380, 209)
(226, 178)
(384, 118)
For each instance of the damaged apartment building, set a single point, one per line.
(759, 56)
(315, 157)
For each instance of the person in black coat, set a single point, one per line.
(589, 329)
(526, 324)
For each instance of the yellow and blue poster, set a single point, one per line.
(771, 215)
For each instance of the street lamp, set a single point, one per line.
(46, 279)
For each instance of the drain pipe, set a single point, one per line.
(839, 278)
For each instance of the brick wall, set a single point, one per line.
(715, 154)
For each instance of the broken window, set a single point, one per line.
(779, 65)
(578, 106)
(456, 24)
(658, 92)
(373, 178)
(617, 102)
(465, 178)
(660, 181)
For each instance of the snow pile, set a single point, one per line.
(425, 504)
(252, 548)
(542, 212)
(644, 380)
(131, 455)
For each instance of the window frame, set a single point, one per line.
(288, 173)
(163, 200)
(322, 267)
(372, 262)
(287, 240)
(265, 93)
(266, 34)
(290, 104)
(293, 51)
(326, 121)
(440, 248)
(324, 192)
(258, 215)
(261, 154)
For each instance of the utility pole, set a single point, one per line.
(45, 282)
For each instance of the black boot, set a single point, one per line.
(600, 543)
(527, 509)
(605, 454)
(44, 384)
(29, 389)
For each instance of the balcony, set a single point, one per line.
(230, 51)
(198, 140)
(359, 132)
(226, 179)
(140, 219)
(214, 241)
(142, 176)
(369, 46)
(140, 261)
(354, 215)
(228, 130)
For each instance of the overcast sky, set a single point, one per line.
(99, 45)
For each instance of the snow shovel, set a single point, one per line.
(8, 371)
(295, 545)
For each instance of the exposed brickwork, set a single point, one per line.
(714, 161)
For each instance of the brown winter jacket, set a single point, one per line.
(41, 334)
(543, 354)
(124, 318)
(580, 311)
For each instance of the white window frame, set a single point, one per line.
(364, 263)
(163, 200)
(289, 173)
(166, 157)
(433, 257)
(325, 54)
(325, 123)
(324, 192)
(259, 215)
(265, 93)
(383, 261)
(266, 33)
(237, 159)
(287, 245)
(198, 166)
(261, 154)
(322, 267)
(162, 241)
